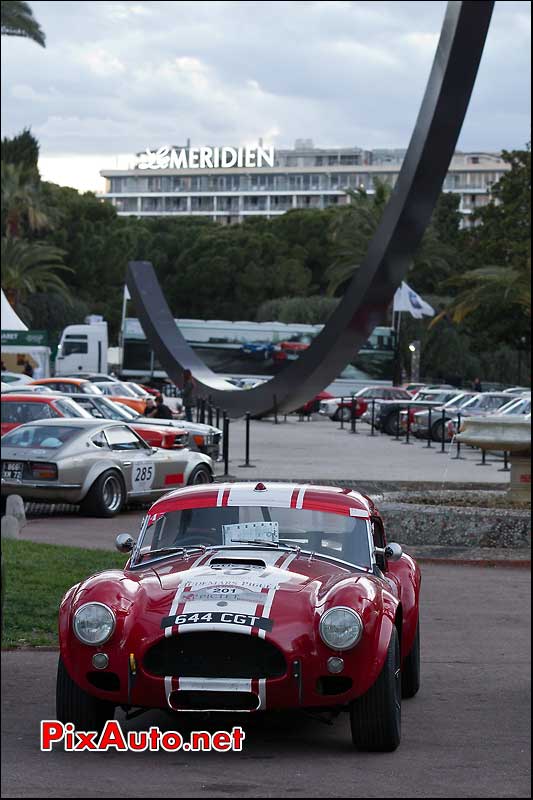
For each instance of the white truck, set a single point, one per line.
(82, 348)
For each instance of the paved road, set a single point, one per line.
(318, 449)
(467, 733)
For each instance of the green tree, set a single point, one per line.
(28, 268)
(23, 151)
(355, 224)
(493, 293)
(22, 202)
(17, 20)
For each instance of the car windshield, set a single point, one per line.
(103, 408)
(69, 408)
(46, 437)
(336, 536)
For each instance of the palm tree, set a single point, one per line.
(490, 287)
(18, 20)
(355, 224)
(21, 201)
(30, 267)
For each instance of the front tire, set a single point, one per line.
(87, 713)
(411, 667)
(106, 497)
(375, 718)
(391, 424)
(342, 413)
(200, 474)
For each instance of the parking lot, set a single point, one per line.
(466, 734)
(319, 449)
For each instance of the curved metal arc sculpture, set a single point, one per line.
(373, 285)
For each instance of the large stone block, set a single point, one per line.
(10, 527)
(15, 508)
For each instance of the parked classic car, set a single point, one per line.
(387, 412)
(341, 407)
(68, 385)
(481, 404)
(206, 438)
(248, 597)
(420, 425)
(21, 407)
(98, 465)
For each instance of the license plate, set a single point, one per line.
(12, 470)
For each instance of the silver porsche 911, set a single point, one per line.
(97, 464)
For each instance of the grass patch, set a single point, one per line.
(36, 578)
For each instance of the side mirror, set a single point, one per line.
(124, 543)
(393, 551)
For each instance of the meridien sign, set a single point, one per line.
(206, 157)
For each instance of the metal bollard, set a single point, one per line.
(443, 433)
(397, 437)
(247, 442)
(457, 441)
(408, 432)
(429, 429)
(225, 444)
(275, 410)
(353, 416)
(341, 413)
(373, 418)
(505, 467)
(483, 462)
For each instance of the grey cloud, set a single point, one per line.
(342, 73)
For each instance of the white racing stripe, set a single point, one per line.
(216, 684)
(279, 496)
(179, 592)
(300, 498)
(267, 608)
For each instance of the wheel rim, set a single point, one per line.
(200, 477)
(112, 493)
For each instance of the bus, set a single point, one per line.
(259, 349)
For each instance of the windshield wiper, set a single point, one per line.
(263, 543)
(254, 541)
(184, 550)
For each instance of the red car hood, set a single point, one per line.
(253, 589)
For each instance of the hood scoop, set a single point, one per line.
(240, 563)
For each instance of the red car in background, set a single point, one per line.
(248, 597)
(341, 407)
(16, 409)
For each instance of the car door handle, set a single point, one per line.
(126, 463)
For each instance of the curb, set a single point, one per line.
(512, 563)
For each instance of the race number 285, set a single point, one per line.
(143, 476)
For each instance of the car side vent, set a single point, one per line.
(333, 684)
(108, 681)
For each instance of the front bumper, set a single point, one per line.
(306, 682)
(43, 491)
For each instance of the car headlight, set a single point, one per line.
(340, 628)
(94, 623)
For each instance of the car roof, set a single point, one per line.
(30, 397)
(60, 379)
(332, 499)
(77, 422)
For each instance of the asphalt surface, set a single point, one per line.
(466, 734)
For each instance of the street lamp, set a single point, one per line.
(414, 349)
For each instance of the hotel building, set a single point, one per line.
(304, 177)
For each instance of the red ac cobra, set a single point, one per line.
(247, 597)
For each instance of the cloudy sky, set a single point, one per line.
(116, 77)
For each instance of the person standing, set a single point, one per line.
(477, 385)
(28, 369)
(161, 411)
(187, 394)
